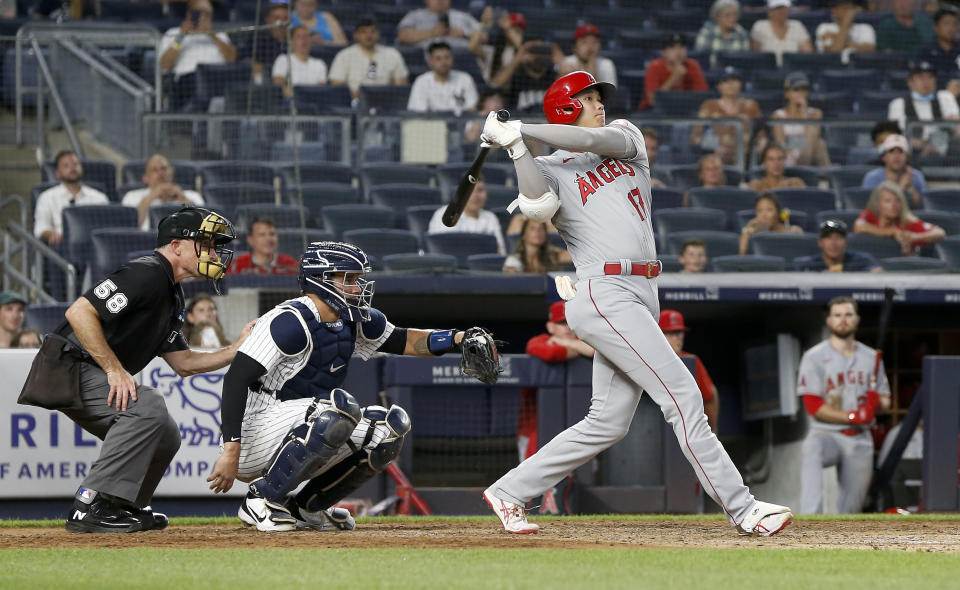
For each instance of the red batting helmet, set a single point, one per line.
(560, 96)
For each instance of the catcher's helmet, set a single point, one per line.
(322, 259)
(559, 104)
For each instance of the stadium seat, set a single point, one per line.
(785, 245)
(942, 200)
(808, 200)
(448, 177)
(384, 99)
(499, 197)
(811, 62)
(666, 198)
(798, 218)
(855, 198)
(666, 221)
(680, 103)
(45, 317)
(808, 174)
(99, 174)
(747, 61)
(876, 102)
(719, 243)
(729, 200)
(402, 195)
(844, 177)
(79, 223)
(461, 244)
(290, 240)
(317, 172)
(879, 61)
(670, 262)
(112, 248)
(282, 215)
(158, 212)
(836, 104)
(255, 99)
(375, 174)
(948, 249)
(340, 218)
(184, 173)
(214, 80)
(916, 264)
(640, 38)
(486, 262)
(840, 80)
(848, 216)
(860, 155)
(246, 172)
(748, 263)
(879, 247)
(383, 242)
(948, 220)
(322, 100)
(686, 176)
(317, 195)
(308, 151)
(226, 197)
(420, 263)
(418, 218)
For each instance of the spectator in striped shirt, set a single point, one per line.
(721, 32)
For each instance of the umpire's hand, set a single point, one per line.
(122, 386)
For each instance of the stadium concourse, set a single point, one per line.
(798, 151)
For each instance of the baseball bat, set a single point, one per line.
(455, 208)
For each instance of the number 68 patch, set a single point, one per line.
(116, 302)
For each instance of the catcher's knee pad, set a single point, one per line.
(310, 444)
(377, 440)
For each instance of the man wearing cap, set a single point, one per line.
(925, 103)
(671, 323)
(778, 33)
(112, 331)
(895, 151)
(944, 52)
(586, 56)
(558, 345)
(366, 62)
(834, 256)
(673, 71)
(722, 139)
(803, 142)
(906, 30)
(843, 35)
(12, 305)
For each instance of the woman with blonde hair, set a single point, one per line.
(535, 253)
(769, 216)
(888, 215)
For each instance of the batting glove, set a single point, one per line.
(506, 135)
(862, 415)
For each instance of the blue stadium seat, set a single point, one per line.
(309, 151)
(282, 215)
(855, 198)
(748, 263)
(227, 196)
(948, 220)
(112, 248)
(798, 218)
(430, 262)
(79, 223)
(374, 174)
(666, 198)
(719, 243)
(860, 155)
(384, 99)
(486, 262)
(158, 212)
(246, 172)
(747, 61)
(214, 80)
(876, 102)
(848, 216)
(915, 264)
(317, 195)
(680, 103)
(836, 104)
(383, 242)
(808, 174)
(730, 200)
(258, 99)
(499, 197)
(340, 218)
(811, 62)
(317, 172)
(844, 177)
(402, 195)
(846, 79)
(322, 100)
(670, 262)
(461, 245)
(878, 61)
(184, 173)
(45, 317)
(767, 100)
(788, 246)
(290, 240)
(418, 220)
(948, 249)
(942, 200)
(667, 221)
(639, 38)
(808, 200)
(879, 247)
(682, 21)
(96, 173)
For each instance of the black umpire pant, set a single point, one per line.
(138, 443)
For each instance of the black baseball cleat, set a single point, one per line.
(152, 521)
(94, 513)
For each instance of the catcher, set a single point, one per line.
(285, 419)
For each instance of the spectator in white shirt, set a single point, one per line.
(843, 35)
(442, 89)
(48, 218)
(298, 68)
(436, 21)
(475, 219)
(586, 56)
(778, 34)
(160, 190)
(366, 63)
(184, 48)
(926, 103)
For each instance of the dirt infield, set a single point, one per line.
(573, 534)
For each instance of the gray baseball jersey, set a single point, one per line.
(605, 204)
(604, 216)
(841, 381)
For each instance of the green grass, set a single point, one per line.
(227, 520)
(537, 569)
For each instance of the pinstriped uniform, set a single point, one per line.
(266, 420)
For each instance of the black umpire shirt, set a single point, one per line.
(141, 311)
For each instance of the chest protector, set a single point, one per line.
(326, 367)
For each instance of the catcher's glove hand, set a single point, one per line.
(480, 359)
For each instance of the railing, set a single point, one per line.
(19, 247)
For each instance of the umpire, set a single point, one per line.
(85, 368)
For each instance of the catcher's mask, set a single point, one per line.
(210, 232)
(352, 294)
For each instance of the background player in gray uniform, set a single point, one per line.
(285, 418)
(841, 394)
(596, 189)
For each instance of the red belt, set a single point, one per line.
(647, 269)
(850, 431)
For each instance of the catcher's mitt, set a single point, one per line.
(480, 359)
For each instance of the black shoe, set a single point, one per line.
(93, 513)
(152, 521)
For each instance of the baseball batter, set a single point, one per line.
(841, 394)
(285, 419)
(596, 189)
